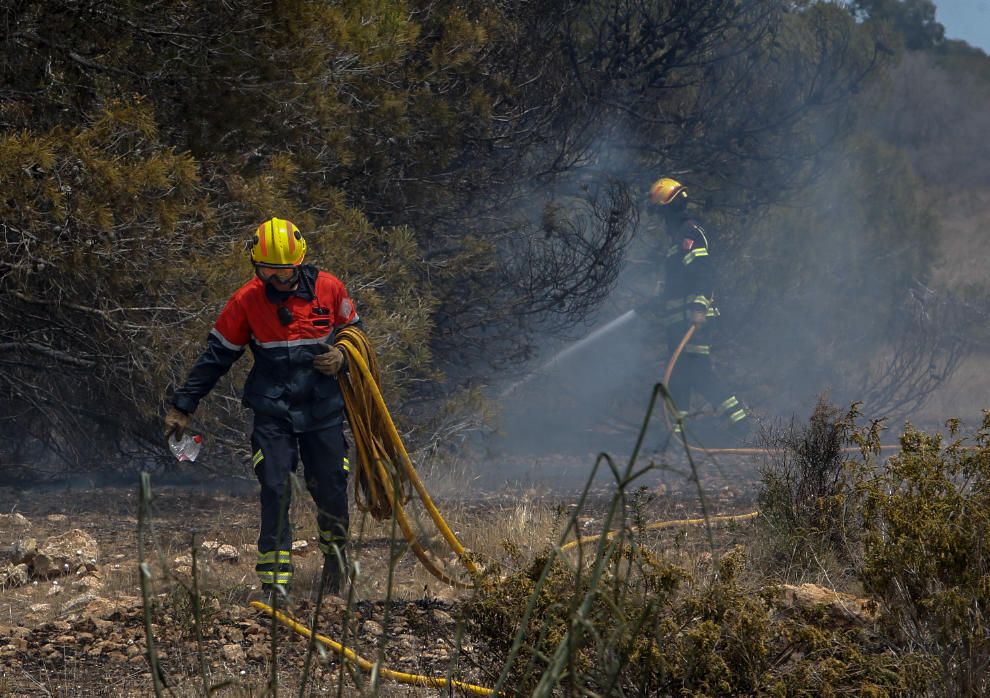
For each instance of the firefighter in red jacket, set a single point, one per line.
(688, 299)
(288, 316)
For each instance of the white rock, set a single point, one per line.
(227, 553)
(64, 553)
(18, 575)
(25, 550)
(233, 653)
(14, 519)
(87, 583)
(442, 616)
(81, 601)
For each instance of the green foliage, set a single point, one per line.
(963, 61)
(925, 557)
(182, 607)
(910, 530)
(416, 143)
(859, 240)
(913, 20)
(113, 249)
(366, 123)
(779, 86)
(95, 219)
(653, 629)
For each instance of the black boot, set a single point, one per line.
(739, 434)
(335, 571)
(274, 595)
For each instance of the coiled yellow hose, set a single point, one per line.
(384, 468)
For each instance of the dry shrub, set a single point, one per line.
(926, 556)
(809, 523)
(653, 629)
(910, 530)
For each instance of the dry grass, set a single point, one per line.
(507, 532)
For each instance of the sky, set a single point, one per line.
(968, 20)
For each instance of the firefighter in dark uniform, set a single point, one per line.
(288, 315)
(688, 299)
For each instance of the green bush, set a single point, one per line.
(909, 530)
(927, 520)
(652, 628)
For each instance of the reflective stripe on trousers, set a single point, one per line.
(732, 409)
(274, 567)
(277, 450)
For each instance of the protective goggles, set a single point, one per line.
(283, 275)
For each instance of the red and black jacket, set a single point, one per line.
(284, 332)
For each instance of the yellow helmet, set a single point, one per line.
(278, 243)
(665, 190)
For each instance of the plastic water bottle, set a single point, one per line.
(186, 448)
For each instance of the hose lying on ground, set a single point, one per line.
(384, 468)
(663, 524)
(443, 682)
(347, 653)
(384, 473)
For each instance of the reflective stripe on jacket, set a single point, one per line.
(688, 276)
(284, 332)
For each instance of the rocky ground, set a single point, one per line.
(72, 618)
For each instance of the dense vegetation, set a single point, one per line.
(906, 532)
(472, 170)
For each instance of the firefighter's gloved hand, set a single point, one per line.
(697, 317)
(330, 361)
(176, 422)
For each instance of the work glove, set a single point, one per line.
(176, 422)
(330, 361)
(697, 317)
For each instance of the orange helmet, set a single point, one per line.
(278, 243)
(666, 190)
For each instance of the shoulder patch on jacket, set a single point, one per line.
(687, 244)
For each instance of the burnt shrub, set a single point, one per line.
(810, 524)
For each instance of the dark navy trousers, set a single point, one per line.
(276, 452)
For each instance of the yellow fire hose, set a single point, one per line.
(384, 466)
(669, 370)
(660, 525)
(443, 682)
(385, 469)
(349, 654)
